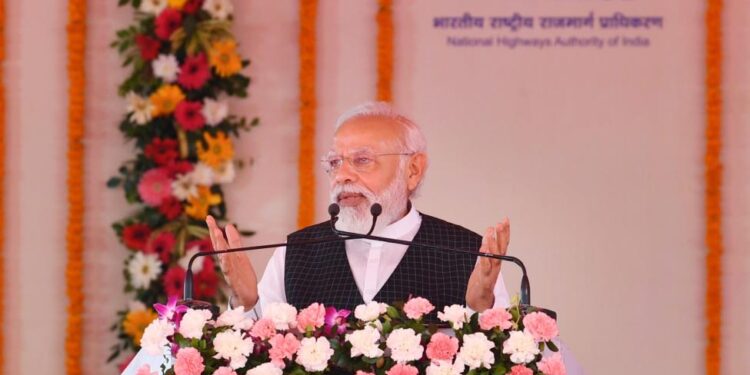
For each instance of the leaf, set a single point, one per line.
(113, 182)
(552, 346)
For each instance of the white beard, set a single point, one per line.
(358, 219)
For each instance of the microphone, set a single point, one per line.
(376, 209)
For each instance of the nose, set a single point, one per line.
(345, 174)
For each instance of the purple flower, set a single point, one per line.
(336, 318)
(171, 311)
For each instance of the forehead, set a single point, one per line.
(367, 133)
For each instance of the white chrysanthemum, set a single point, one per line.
(457, 315)
(313, 354)
(283, 315)
(267, 368)
(225, 173)
(365, 342)
(444, 368)
(203, 174)
(405, 345)
(219, 9)
(143, 269)
(476, 351)
(166, 67)
(152, 6)
(184, 187)
(215, 111)
(140, 108)
(154, 337)
(197, 264)
(521, 347)
(232, 346)
(236, 318)
(192, 323)
(370, 311)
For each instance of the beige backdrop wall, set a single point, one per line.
(596, 156)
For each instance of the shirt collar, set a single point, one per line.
(400, 227)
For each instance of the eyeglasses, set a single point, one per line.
(362, 162)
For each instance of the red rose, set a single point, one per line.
(135, 236)
(174, 281)
(167, 22)
(189, 116)
(194, 72)
(162, 245)
(148, 46)
(171, 208)
(162, 151)
(206, 281)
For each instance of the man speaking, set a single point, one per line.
(378, 156)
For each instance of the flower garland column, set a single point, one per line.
(306, 162)
(385, 50)
(74, 237)
(713, 176)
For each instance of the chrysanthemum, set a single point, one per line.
(219, 9)
(155, 186)
(171, 208)
(198, 206)
(162, 245)
(188, 115)
(217, 150)
(215, 111)
(166, 67)
(165, 99)
(194, 72)
(167, 22)
(184, 187)
(136, 322)
(176, 4)
(135, 236)
(152, 6)
(140, 108)
(162, 151)
(143, 269)
(224, 57)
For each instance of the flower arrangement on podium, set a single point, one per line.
(375, 339)
(184, 66)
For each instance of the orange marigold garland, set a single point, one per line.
(74, 236)
(306, 161)
(385, 49)
(2, 184)
(713, 175)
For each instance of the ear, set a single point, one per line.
(415, 170)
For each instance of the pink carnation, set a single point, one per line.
(442, 347)
(145, 370)
(188, 362)
(155, 186)
(312, 316)
(263, 329)
(282, 347)
(401, 369)
(493, 318)
(415, 308)
(552, 365)
(520, 370)
(541, 326)
(224, 370)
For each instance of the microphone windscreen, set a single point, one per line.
(376, 209)
(333, 210)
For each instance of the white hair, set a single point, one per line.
(413, 139)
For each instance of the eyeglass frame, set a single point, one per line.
(329, 170)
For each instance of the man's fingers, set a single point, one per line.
(211, 224)
(233, 235)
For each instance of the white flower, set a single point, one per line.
(444, 368)
(184, 187)
(457, 315)
(197, 264)
(154, 337)
(236, 318)
(136, 305)
(521, 347)
(152, 6)
(143, 269)
(140, 108)
(370, 311)
(230, 345)
(405, 345)
(283, 315)
(166, 67)
(203, 174)
(192, 323)
(219, 9)
(365, 342)
(313, 354)
(476, 351)
(215, 111)
(267, 368)
(225, 173)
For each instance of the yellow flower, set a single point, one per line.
(165, 99)
(218, 151)
(136, 322)
(224, 57)
(198, 205)
(176, 4)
